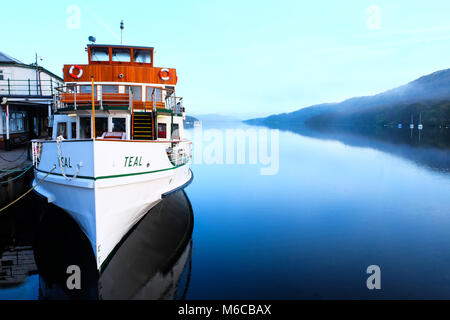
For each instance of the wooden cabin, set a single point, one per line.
(125, 79)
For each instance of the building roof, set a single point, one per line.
(7, 60)
(4, 58)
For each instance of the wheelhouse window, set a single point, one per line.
(85, 127)
(121, 55)
(99, 54)
(110, 89)
(162, 130)
(101, 126)
(156, 91)
(71, 87)
(142, 56)
(137, 92)
(118, 124)
(175, 132)
(62, 130)
(74, 129)
(88, 89)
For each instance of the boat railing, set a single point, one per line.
(171, 101)
(36, 148)
(175, 104)
(180, 152)
(69, 98)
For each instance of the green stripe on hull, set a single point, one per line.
(114, 176)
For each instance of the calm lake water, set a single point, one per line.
(340, 201)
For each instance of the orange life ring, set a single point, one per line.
(76, 76)
(161, 74)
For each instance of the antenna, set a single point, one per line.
(121, 30)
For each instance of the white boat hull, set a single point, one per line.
(117, 182)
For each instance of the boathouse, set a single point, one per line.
(26, 97)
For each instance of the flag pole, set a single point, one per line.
(93, 109)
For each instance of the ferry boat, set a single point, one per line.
(118, 144)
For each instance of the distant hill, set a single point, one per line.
(189, 122)
(429, 94)
(217, 118)
(299, 116)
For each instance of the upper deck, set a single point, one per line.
(121, 64)
(124, 78)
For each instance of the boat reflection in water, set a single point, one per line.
(152, 262)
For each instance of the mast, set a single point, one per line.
(121, 31)
(420, 126)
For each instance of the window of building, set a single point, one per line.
(162, 130)
(100, 54)
(4, 121)
(25, 121)
(156, 91)
(121, 55)
(1, 75)
(19, 119)
(142, 56)
(137, 92)
(175, 131)
(18, 122)
(35, 126)
(12, 122)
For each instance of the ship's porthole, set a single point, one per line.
(148, 164)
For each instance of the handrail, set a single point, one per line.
(28, 87)
(69, 95)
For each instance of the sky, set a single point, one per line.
(247, 58)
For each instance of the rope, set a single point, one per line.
(32, 188)
(16, 177)
(23, 152)
(58, 143)
(14, 169)
(11, 170)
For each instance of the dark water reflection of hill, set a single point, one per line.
(429, 148)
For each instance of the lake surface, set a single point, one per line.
(338, 202)
(333, 209)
